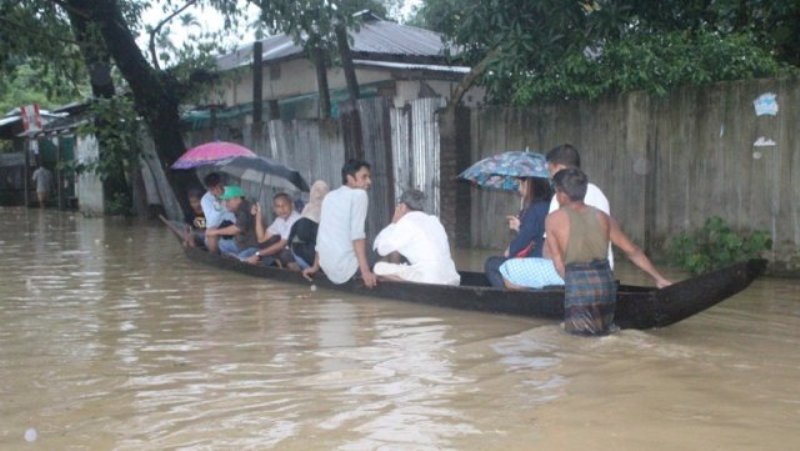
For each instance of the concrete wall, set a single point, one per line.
(88, 187)
(298, 77)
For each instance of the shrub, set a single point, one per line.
(716, 245)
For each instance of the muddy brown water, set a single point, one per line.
(111, 339)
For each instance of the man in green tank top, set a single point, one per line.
(577, 242)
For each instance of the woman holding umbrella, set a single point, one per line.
(528, 224)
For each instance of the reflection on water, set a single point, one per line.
(109, 338)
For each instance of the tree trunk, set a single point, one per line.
(318, 54)
(351, 110)
(347, 62)
(98, 64)
(153, 92)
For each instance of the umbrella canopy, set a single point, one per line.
(211, 153)
(502, 170)
(263, 170)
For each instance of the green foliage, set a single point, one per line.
(654, 63)
(25, 84)
(556, 49)
(117, 127)
(716, 245)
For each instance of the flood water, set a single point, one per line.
(111, 339)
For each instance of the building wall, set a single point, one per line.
(88, 187)
(298, 77)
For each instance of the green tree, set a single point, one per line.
(553, 49)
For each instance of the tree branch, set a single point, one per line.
(38, 31)
(470, 79)
(157, 29)
(70, 8)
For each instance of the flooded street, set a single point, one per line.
(111, 339)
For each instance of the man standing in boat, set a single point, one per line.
(578, 236)
(341, 239)
(566, 156)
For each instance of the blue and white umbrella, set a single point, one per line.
(501, 171)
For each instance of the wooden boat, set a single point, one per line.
(637, 307)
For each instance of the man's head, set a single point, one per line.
(282, 205)
(413, 199)
(213, 183)
(571, 185)
(194, 196)
(233, 196)
(562, 157)
(356, 174)
(410, 200)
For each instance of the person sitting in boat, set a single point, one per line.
(578, 236)
(303, 237)
(214, 212)
(195, 219)
(341, 240)
(566, 156)
(245, 241)
(528, 225)
(420, 239)
(273, 240)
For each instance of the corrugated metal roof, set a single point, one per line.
(374, 39)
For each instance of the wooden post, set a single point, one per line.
(258, 83)
(59, 176)
(322, 82)
(27, 172)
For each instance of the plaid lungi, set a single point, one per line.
(590, 298)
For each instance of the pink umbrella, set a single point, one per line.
(210, 153)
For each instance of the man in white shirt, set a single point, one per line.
(566, 156)
(420, 238)
(274, 239)
(341, 239)
(213, 209)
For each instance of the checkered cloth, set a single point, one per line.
(531, 272)
(590, 298)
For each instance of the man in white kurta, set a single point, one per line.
(421, 239)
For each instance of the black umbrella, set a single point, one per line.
(263, 170)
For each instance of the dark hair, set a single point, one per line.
(537, 190)
(414, 199)
(284, 196)
(194, 192)
(212, 180)
(351, 167)
(573, 182)
(566, 155)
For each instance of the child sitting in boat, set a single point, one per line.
(577, 244)
(195, 219)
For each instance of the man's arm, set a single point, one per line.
(634, 253)
(310, 271)
(552, 226)
(358, 217)
(229, 230)
(274, 248)
(360, 247)
(261, 231)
